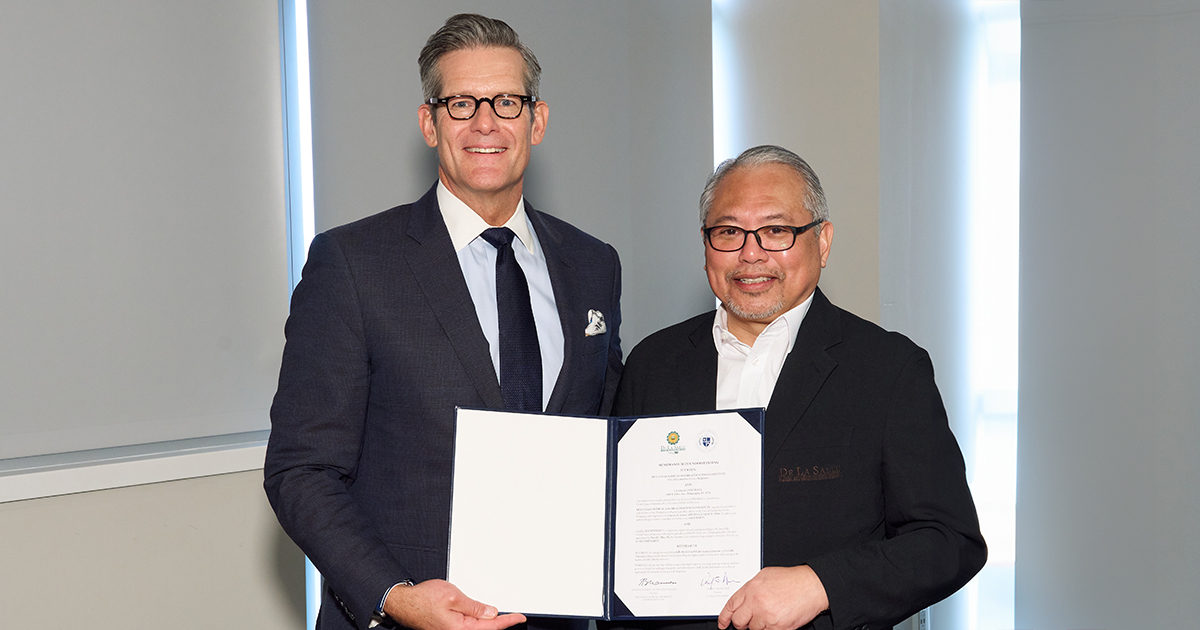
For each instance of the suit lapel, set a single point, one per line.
(804, 372)
(558, 265)
(697, 370)
(432, 261)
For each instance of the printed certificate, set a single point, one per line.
(688, 514)
(650, 517)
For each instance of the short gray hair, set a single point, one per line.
(466, 31)
(814, 196)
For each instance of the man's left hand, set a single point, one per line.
(778, 598)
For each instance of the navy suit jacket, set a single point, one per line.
(382, 343)
(863, 480)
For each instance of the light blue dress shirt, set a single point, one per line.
(478, 261)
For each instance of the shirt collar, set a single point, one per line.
(790, 321)
(465, 225)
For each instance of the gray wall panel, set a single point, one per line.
(821, 58)
(1110, 380)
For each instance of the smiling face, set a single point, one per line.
(482, 160)
(756, 285)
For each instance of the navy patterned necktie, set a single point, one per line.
(520, 355)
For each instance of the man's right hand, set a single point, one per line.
(439, 605)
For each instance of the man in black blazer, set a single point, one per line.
(867, 514)
(396, 323)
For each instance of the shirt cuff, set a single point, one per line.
(383, 600)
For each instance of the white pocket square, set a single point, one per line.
(595, 324)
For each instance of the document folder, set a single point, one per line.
(608, 518)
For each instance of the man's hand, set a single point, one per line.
(778, 598)
(439, 605)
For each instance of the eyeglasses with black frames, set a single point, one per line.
(464, 106)
(772, 238)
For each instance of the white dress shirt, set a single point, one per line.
(478, 261)
(746, 374)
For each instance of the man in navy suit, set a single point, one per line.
(397, 321)
(867, 515)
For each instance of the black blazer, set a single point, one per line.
(864, 481)
(382, 344)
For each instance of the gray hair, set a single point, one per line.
(469, 30)
(814, 196)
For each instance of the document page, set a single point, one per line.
(689, 513)
(527, 522)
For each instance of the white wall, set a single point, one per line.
(197, 553)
